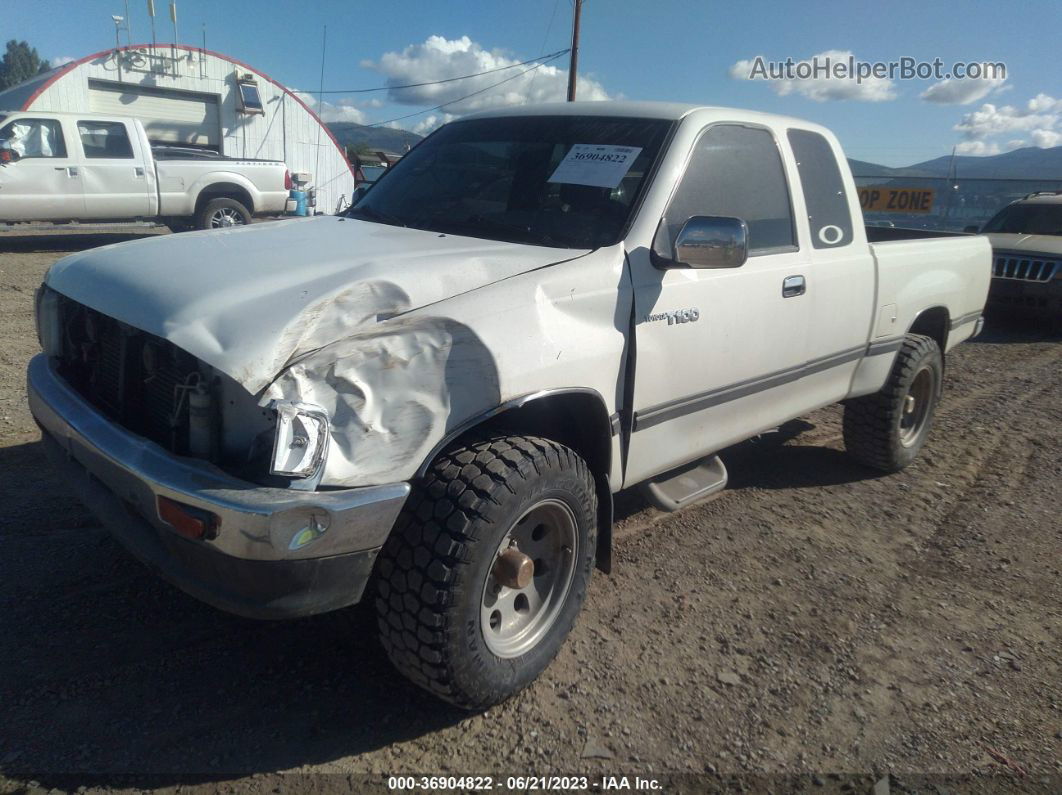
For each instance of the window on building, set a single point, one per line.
(735, 172)
(34, 137)
(104, 139)
(250, 99)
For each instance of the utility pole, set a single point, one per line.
(575, 51)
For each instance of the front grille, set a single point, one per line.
(1024, 268)
(137, 379)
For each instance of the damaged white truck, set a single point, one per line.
(428, 404)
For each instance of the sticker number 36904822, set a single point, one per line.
(596, 165)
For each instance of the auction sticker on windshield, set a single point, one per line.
(595, 165)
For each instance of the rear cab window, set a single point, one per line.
(829, 216)
(105, 139)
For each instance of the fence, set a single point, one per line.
(941, 203)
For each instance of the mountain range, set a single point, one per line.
(386, 139)
(1027, 163)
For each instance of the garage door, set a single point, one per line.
(169, 116)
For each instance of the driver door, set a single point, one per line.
(44, 183)
(719, 350)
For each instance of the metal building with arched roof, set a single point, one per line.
(193, 97)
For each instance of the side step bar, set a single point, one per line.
(680, 487)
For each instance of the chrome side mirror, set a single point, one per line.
(712, 242)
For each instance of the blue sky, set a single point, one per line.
(636, 49)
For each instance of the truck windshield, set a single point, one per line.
(1027, 219)
(565, 181)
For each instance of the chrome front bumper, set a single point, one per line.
(262, 532)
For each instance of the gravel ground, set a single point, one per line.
(815, 620)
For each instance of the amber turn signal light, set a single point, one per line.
(194, 523)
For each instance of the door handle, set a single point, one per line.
(71, 171)
(793, 286)
(138, 171)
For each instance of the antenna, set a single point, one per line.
(173, 19)
(118, 25)
(320, 106)
(151, 13)
(128, 25)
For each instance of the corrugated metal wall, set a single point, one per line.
(285, 131)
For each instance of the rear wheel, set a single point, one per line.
(222, 213)
(886, 430)
(484, 575)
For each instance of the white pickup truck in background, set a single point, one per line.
(89, 167)
(440, 392)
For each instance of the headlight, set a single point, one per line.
(301, 440)
(49, 330)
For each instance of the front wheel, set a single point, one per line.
(222, 213)
(483, 576)
(886, 430)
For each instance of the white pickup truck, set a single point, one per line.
(89, 167)
(436, 396)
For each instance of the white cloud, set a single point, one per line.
(61, 60)
(822, 89)
(429, 123)
(1040, 119)
(991, 120)
(1045, 139)
(977, 148)
(439, 58)
(961, 92)
(344, 110)
(1042, 103)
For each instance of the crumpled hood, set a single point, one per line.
(1033, 244)
(250, 300)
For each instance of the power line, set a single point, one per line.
(543, 58)
(545, 39)
(553, 57)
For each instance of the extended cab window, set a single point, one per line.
(34, 137)
(104, 139)
(736, 172)
(828, 214)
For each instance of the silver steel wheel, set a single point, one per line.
(530, 578)
(225, 216)
(916, 407)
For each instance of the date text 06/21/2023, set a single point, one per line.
(523, 783)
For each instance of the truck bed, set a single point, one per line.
(921, 268)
